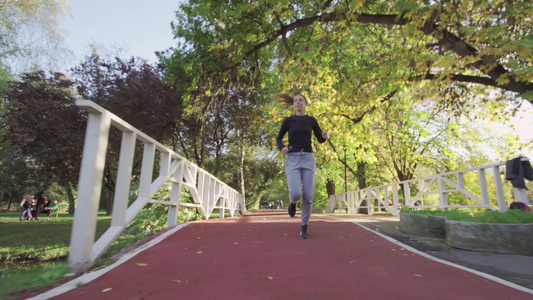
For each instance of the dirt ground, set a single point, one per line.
(517, 269)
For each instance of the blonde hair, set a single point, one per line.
(288, 100)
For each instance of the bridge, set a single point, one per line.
(257, 256)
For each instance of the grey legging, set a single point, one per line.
(301, 168)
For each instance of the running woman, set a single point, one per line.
(300, 164)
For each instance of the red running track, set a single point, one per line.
(261, 256)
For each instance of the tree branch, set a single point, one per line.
(485, 64)
(463, 78)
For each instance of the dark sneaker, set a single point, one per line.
(292, 209)
(304, 235)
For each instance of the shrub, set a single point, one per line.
(477, 215)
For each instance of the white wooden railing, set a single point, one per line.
(386, 196)
(208, 192)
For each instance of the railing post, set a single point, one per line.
(407, 194)
(443, 198)
(175, 195)
(206, 195)
(200, 189)
(483, 187)
(145, 182)
(461, 181)
(395, 195)
(352, 202)
(89, 189)
(502, 205)
(221, 200)
(122, 189)
(370, 201)
(147, 168)
(386, 195)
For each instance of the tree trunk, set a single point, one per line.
(361, 180)
(4, 182)
(71, 200)
(109, 201)
(330, 187)
(240, 136)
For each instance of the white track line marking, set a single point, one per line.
(485, 275)
(88, 277)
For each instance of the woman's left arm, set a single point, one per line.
(321, 136)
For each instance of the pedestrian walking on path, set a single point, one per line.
(300, 164)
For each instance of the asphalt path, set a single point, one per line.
(261, 256)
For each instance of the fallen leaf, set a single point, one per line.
(142, 264)
(235, 243)
(393, 249)
(199, 252)
(270, 277)
(341, 237)
(284, 234)
(176, 280)
(352, 261)
(418, 275)
(106, 290)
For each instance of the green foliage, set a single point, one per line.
(30, 33)
(33, 253)
(385, 83)
(38, 240)
(45, 129)
(512, 216)
(154, 217)
(28, 278)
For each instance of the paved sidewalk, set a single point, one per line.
(261, 256)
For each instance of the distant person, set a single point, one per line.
(26, 206)
(280, 204)
(50, 207)
(40, 201)
(300, 164)
(33, 209)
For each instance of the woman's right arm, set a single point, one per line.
(281, 134)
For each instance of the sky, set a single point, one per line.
(138, 27)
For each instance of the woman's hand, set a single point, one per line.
(285, 150)
(325, 135)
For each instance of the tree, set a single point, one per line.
(17, 175)
(135, 92)
(451, 43)
(355, 59)
(29, 33)
(43, 122)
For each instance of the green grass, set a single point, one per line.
(478, 215)
(33, 254)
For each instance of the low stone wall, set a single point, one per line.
(422, 225)
(489, 237)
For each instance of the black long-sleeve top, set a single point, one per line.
(299, 129)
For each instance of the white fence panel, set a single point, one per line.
(206, 190)
(441, 184)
